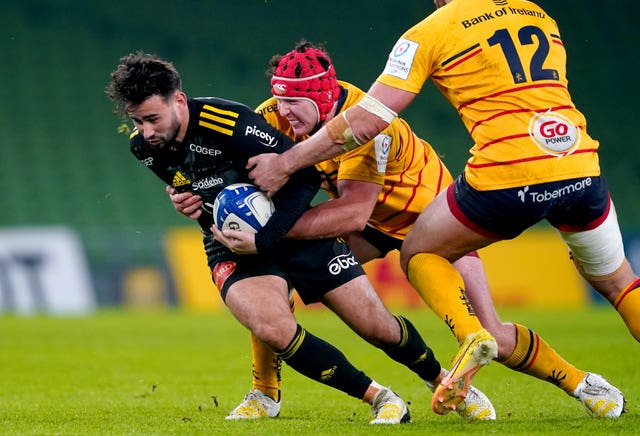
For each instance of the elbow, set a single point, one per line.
(365, 132)
(356, 223)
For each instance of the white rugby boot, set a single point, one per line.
(389, 408)
(601, 398)
(255, 405)
(475, 406)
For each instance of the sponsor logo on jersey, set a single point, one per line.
(526, 193)
(267, 139)
(147, 162)
(204, 150)
(180, 180)
(221, 273)
(340, 263)
(207, 183)
(554, 134)
(382, 145)
(401, 58)
(268, 109)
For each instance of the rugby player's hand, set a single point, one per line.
(268, 172)
(186, 203)
(235, 240)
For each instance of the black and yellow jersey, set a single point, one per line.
(222, 135)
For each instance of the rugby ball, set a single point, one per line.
(242, 206)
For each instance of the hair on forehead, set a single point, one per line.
(139, 76)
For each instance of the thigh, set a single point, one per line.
(362, 249)
(228, 268)
(360, 307)
(437, 230)
(261, 304)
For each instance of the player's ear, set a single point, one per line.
(180, 98)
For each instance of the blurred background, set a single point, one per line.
(83, 225)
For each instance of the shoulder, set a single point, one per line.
(269, 106)
(218, 105)
(220, 116)
(268, 109)
(353, 94)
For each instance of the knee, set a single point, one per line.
(383, 337)
(381, 333)
(277, 335)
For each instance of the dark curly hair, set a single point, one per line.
(140, 76)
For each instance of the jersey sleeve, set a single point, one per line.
(412, 59)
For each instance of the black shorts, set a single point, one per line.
(383, 242)
(312, 267)
(569, 205)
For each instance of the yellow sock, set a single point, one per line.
(533, 356)
(442, 288)
(267, 366)
(628, 306)
(266, 369)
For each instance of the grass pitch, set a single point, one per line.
(177, 373)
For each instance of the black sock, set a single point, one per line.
(414, 353)
(322, 362)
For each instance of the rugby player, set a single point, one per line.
(202, 145)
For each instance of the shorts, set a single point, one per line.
(383, 242)
(572, 205)
(313, 267)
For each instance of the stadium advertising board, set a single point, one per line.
(44, 270)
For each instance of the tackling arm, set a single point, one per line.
(357, 125)
(345, 214)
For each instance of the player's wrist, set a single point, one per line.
(289, 161)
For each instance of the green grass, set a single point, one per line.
(176, 373)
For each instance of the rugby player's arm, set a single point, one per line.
(350, 212)
(290, 204)
(270, 172)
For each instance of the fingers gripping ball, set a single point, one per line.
(242, 206)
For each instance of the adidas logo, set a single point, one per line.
(327, 374)
(180, 180)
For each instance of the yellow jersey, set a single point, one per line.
(502, 65)
(407, 167)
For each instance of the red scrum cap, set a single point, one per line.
(307, 75)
